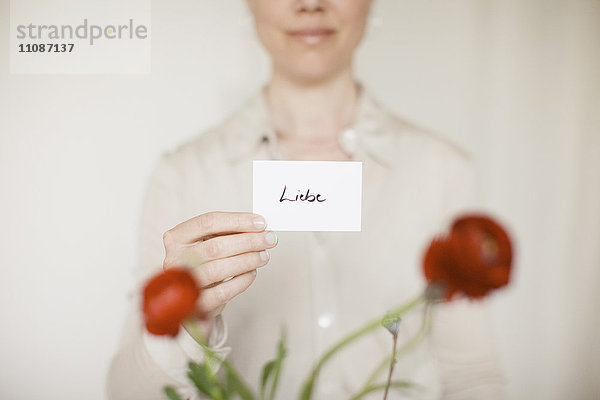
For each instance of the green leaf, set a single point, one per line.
(281, 353)
(204, 380)
(272, 370)
(230, 386)
(267, 370)
(238, 386)
(307, 389)
(171, 393)
(234, 383)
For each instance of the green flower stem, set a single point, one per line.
(380, 386)
(407, 346)
(392, 363)
(308, 385)
(192, 328)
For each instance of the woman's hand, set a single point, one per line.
(220, 245)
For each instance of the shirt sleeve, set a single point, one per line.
(144, 363)
(461, 336)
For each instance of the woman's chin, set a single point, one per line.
(312, 73)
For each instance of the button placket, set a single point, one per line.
(325, 307)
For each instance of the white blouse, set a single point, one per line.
(319, 285)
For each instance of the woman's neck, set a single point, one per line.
(312, 113)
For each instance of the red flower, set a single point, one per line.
(169, 298)
(475, 258)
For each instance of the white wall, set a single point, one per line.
(514, 81)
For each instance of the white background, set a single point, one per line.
(514, 81)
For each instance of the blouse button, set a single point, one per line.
(348, 140)
(325, 320)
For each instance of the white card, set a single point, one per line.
(308, 195)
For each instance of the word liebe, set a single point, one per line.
(311, 198)
(318, 196)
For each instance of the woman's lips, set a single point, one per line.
(312, 36)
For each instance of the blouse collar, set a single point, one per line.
(250, 128)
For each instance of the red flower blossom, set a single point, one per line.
(169, 298)
(474, 259)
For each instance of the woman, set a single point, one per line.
(319, 285)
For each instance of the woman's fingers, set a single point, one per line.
(220, 245)
(213, 223)
(217, 270)
(214, 297)
(224, 246)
